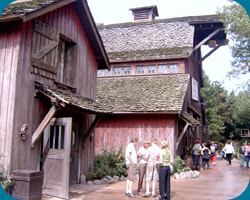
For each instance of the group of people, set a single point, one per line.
(208, 152)
(154, 164)
(244, 155)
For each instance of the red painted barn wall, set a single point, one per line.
(114, 131)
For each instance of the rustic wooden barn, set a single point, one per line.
(50, 51)
(153, 87)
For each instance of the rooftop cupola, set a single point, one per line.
(143, 14)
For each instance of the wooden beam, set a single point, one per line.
(37, 134)
(208, 38)
(221, 43)
(209, 53)
(182, 134)
(91, 128)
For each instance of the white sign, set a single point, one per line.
(195, 90)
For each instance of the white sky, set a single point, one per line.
(216, 65)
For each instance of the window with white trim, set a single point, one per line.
(151, 69)
(140, 70)
(99, 72)
(162, 69)
(127, 70)
(173, 68)
(117, 71)
(107, 72)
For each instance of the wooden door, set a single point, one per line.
(56, 157)
(74, 156)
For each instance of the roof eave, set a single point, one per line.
(147, 112)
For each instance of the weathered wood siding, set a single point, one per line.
(18, 105)
(114, 131)
(9, 50)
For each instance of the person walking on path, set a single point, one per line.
(246, 151)
(152, 174)
(196, 155)
(165, 160)
(213, 149)
(206, 153)
(229, 150)
(131, 161)
(241, 155)
(142, 155)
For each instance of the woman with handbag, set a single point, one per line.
(206, 153)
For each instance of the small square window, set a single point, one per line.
(173, 68)
(117, 71)
(127, 70)
(162, 69)
(151, 69)
(140, 70)
(106, 72)
(99, 72)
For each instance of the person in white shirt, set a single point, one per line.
(152, 174)
(229, 150)
(142, 155)
(131, 161)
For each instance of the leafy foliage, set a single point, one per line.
(179, 165)
(5, 180)
(226, 114)
(216, 100)
(238, 30)
(108, 163)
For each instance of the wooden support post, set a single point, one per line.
(42, 125)
(91, 128)
(182, 134)
(209, 53)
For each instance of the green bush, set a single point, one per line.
(179, 165)
(5, 180)
(108, 163)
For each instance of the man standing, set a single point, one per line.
(131, 161)
(152, 173)
(196, 155)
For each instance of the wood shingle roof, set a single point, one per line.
(71, 100)
(143, 94)
(158, 39)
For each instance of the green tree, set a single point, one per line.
(216, 100)
(237, 19)
(240, 112)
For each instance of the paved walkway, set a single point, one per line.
(222, 182)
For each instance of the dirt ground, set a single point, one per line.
(222, 182)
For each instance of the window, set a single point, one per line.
(99, 72)
(106, 72)
(173, 68)
(66, 64)
(126, 70)
(57, 134)
(151, 69)
(162, 69)
(140, 70)
(117, 71)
